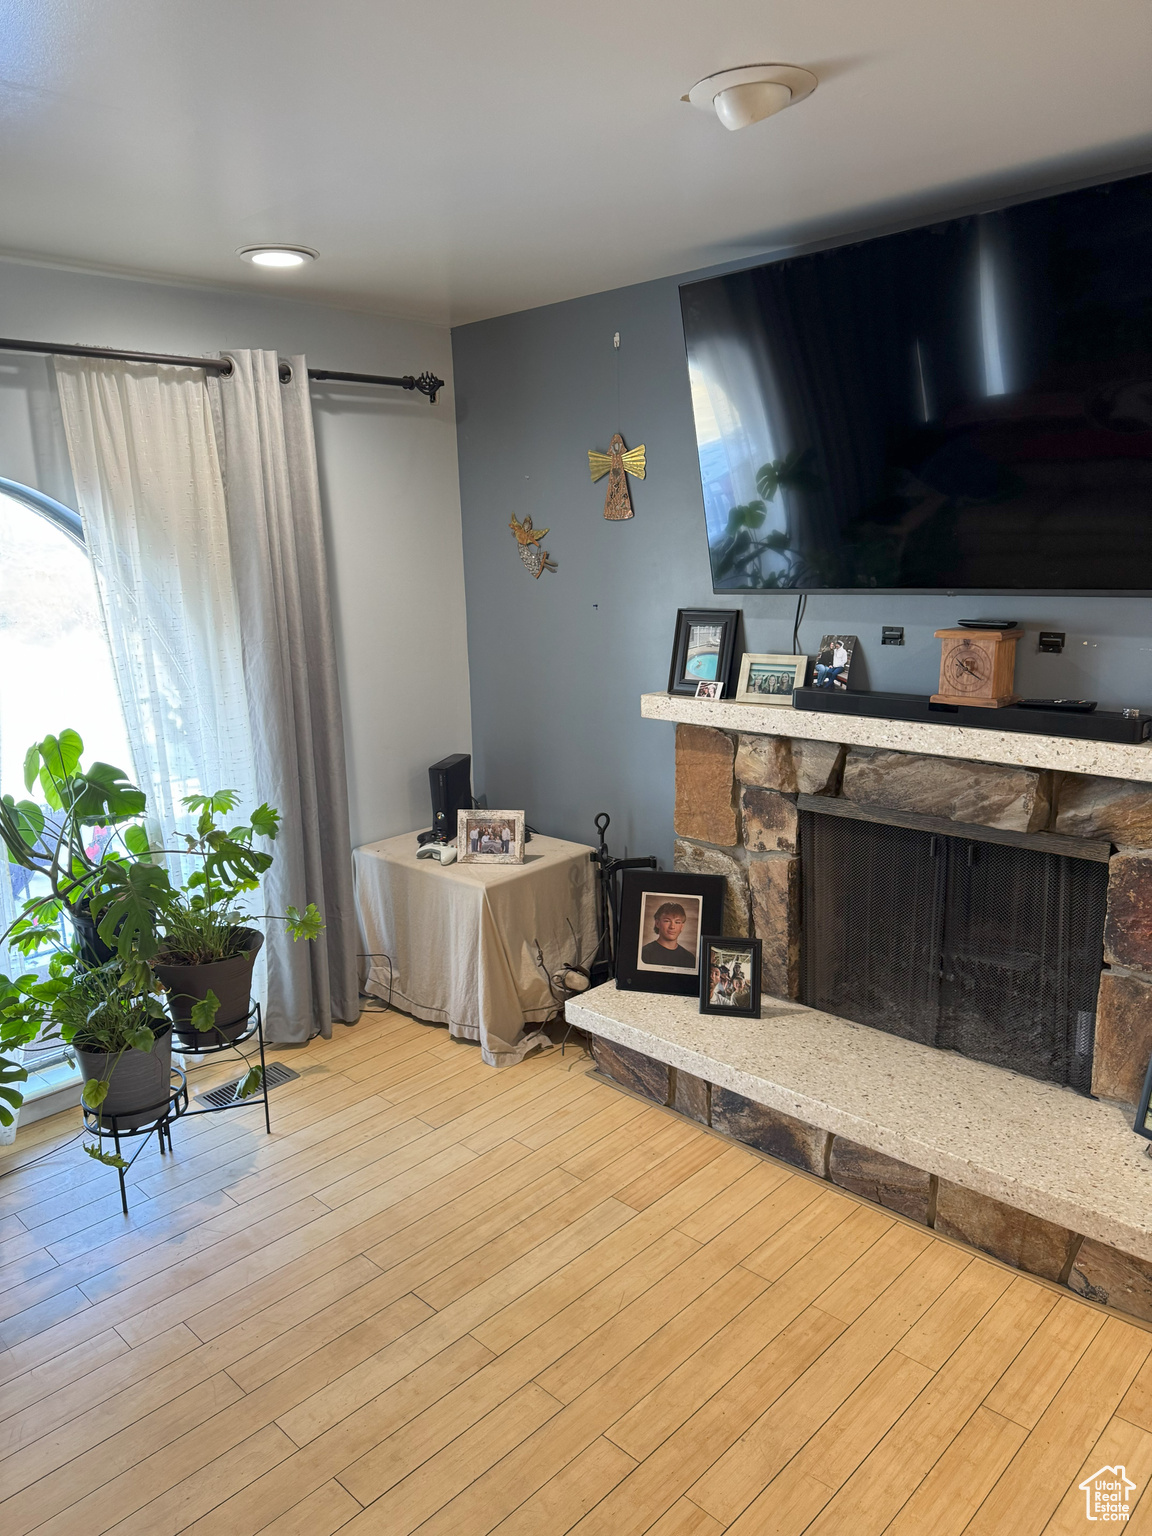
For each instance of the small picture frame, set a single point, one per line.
(663, 915)
(703, 648)
(1143, 1122)
(730, 977)
(834, 661)
(709, 690)
(489, 837)
(770, 679)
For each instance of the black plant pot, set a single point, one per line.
(230, 980)
(93, 950)
(139, 1087)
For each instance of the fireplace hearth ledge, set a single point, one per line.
(1038, 1147)
(1109, 759)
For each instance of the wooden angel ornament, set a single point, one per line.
(618, 463)
(533, 554)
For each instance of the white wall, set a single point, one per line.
(390, 488)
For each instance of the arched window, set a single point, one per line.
(55, 665)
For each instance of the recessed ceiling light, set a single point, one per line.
(277, 255)
(740, 97)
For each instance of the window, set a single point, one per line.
(55, 665)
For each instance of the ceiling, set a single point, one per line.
(453, 159)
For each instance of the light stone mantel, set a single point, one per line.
(1036, 1146)
(1112, 760)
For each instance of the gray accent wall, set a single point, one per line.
(558, 664)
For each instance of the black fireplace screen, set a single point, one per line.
(991, 950)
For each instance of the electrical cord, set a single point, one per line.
(44, 1157)
(801, 605)
(376, 955)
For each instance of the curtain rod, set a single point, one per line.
(425, 383)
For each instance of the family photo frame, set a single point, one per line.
(663, 918)
(489, 837)
(730, 977)
(767, 679)
(834, 661)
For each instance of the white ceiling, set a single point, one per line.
(453, 159)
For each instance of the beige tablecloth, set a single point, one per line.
(462, 937)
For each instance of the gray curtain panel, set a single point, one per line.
(272, 492)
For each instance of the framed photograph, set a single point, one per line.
(834, 662)
(770, 679)
(663, 916)
(490, 837)
(1143, 1122)
(709, 690)
(730, 977)
(703, 648)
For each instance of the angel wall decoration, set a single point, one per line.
(617, 464)
(533, 554)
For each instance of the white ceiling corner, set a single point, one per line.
(452, 161)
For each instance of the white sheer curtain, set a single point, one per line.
(149, 488)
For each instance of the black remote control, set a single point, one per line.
(1067, 706)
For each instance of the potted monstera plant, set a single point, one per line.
(196, 937)
(121, 1036)
(137, 935)
(84, 819)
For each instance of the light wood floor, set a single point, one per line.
(454, 1301)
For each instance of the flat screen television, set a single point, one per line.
(966, 406)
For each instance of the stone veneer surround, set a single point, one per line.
(1040, 1177)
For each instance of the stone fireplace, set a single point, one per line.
(741, 797)
(1006, 891)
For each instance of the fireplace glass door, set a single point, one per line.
(989, 949)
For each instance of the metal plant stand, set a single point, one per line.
(255, 1022)
(110, 1125)
(178, 1105)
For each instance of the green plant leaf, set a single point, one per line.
(218, 804)
(204, 1012)
(265, 821)
(105, 794)
(136, 840)
(95, 1092)
(11, 1097)
(126, 909)
(768, 480)
(251, 1084)
(304, 925)
(109, 1159)
(31, 766)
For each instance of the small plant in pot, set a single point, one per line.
(197, 939)
(121, 1037)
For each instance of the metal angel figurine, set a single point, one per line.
(534, 556)
(615, 463)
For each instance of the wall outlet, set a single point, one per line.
(892, 634)
(1052, 640)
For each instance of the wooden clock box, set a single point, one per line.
(977, 666)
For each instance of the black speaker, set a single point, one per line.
(451, 783)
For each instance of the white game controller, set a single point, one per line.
(445, 852)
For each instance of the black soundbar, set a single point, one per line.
(1100, 725)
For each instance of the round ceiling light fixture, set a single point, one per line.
(277, 255)
(743, 96)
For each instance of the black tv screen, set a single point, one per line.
(963, 406)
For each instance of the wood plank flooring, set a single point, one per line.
(446, 1300)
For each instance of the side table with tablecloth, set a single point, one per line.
(461, 938)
